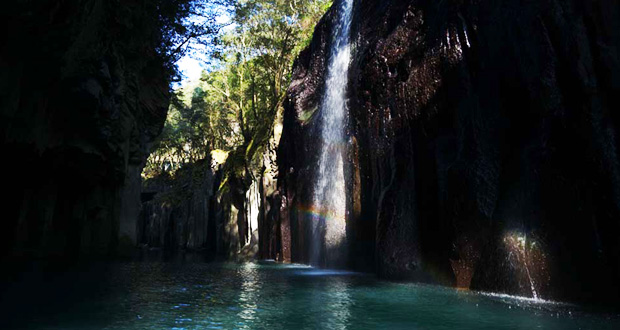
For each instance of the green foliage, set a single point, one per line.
(234, 106)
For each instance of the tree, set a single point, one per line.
(235, 105)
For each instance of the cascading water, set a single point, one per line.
(329, 228)
(527, 269)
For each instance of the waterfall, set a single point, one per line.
(532, 287)
(329, 199)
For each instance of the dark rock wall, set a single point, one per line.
(82, 95)
(484, 134)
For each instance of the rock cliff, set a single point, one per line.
(83, 94)
(484, 137)
(178, 213)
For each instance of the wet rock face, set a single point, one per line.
(81, 100)
(485, 138)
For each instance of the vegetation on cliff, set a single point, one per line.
(234, 106)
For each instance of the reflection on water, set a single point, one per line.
(154, 295)
(248, 297)
(338, 302)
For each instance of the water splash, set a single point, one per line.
(528, 261)
(329, 191)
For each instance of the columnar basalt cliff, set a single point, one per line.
(194, 211)
(483, 136)
(178, 213)
(84, 92)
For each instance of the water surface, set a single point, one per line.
(176, 295)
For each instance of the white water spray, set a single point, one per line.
(329, 192)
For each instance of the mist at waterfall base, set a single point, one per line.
(329, 200)
(265, 295)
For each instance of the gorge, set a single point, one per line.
(435, 163)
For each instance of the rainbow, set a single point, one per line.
(316, 213)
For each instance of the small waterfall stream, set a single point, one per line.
(329, 200)
(527, 269)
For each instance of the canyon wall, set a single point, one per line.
(83, 94)
(177, 213)
(195, 211)
(483, 136)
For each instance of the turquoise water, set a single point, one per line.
(158, 295)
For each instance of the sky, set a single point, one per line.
(190, 67)
(192, 64)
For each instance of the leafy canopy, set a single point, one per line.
(234, 106)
